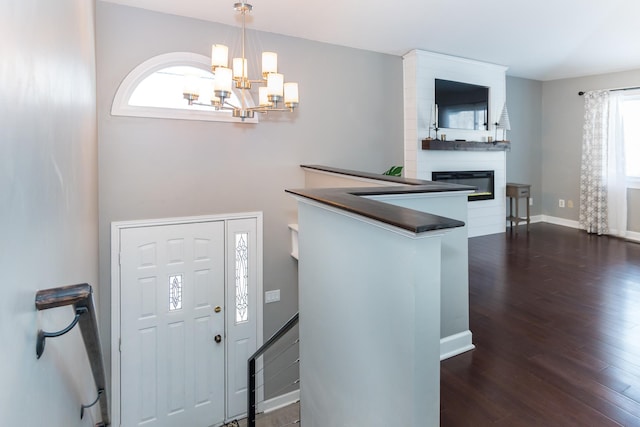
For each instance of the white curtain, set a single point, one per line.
(616, 174)
(603, 200)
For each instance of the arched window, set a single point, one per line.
(154, 89)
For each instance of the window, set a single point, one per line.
(631, 128)
(242, 278)
(154, 89)
(175, 292)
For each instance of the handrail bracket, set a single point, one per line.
(83, 407)
(42, 335)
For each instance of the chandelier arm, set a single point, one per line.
(267, 109)
(229, 105)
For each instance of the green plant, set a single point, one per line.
(394, 171)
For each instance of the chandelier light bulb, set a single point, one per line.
(223, 79)
(275, 84)
(190, 84)
(240, 68)
(263, 97)
(219, 56)
(269, 63)
(291, 93)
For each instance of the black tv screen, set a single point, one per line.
(462, 105)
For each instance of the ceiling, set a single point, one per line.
(541, 39)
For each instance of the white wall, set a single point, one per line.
(454, 320)
(152, 168)
(370, 323)
(420, 71)
(48, 204)
(455, 336)
(484, 216)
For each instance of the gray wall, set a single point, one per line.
(562, 121)
(633, 209)
(48, 204)
(350, 116)
(524, 101)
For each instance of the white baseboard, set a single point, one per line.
(560, 221)
(279, 401)
(536, 218)
(532, 220)
(455, 344)
(633, 236)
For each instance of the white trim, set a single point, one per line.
(633, 182)
(116, 228)
(115, 325)
(279, 402)
(536, 218)
(121, 107)
(560, 221)
(293, 228)
(455, 344)
(634, 236)
(532, 220)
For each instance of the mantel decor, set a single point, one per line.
(436, 144)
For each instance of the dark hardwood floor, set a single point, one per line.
(555, 316)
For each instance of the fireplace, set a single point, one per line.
(482, 180)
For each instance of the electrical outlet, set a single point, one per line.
(272, 296)
(561, 203)
(570, 203)
(530, 201)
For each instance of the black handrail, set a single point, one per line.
(251, 379)
(81, 297)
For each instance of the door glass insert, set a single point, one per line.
(242, 278)
(175, 292)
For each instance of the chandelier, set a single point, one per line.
(273, 94)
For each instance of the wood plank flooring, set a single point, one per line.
(555, 317)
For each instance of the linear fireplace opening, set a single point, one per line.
(482, 180)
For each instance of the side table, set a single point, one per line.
(515, 192)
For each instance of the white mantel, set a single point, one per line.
(421, 68)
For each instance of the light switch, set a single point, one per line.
(272, 296)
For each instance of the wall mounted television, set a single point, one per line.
(462, 105)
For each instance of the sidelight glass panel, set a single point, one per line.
(242, 278)
(175, 292)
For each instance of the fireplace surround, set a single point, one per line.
(420, 69)
(483, 181)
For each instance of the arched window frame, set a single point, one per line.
(121, 107)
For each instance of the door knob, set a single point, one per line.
(218, 338)
(218, 309)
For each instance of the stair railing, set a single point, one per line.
(251, 378)
(81, 298)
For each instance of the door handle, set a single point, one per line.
(217, 338)
(218, 309)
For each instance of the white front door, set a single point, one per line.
(172, 301)
(186, 315)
